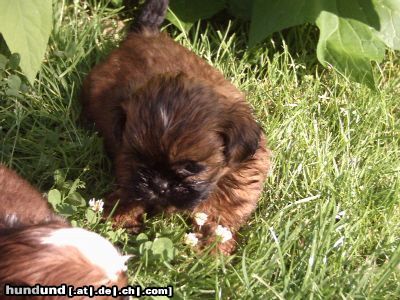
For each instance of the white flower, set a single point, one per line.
(191, 239)
(340, 215)
(224, 233)
(96, 205)
(311, 260)
(200, 218)
(325, 96)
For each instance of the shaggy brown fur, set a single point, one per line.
(181, 136)
(25, 219)
(20, 203)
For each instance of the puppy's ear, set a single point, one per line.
(241, 134)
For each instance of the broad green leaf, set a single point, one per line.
(76, 199)
(145, 247)
(241, 9)
(24, 88)
(12, 92)
(269, 16)
(193, 10)
(163, 248)
(362, 11)
(182, 26)
(54, 197)
(349, 46)
(91, 216)
(348, 29)
(142, 237)
(66, 209)
(14, 82)
(26, 26)
(389, 14)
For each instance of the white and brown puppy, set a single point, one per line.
(39, 247)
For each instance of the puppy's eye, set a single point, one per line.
(189, 168)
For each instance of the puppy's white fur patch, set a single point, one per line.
(92, 246)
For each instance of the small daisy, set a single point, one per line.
(340, 215)
(96, 205)
(224, 233)
(200, 218)
(191, 239)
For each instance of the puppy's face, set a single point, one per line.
(178, 138)
(179, 184)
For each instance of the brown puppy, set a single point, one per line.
(39, 247)
(181, 136)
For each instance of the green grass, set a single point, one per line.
(336, 148)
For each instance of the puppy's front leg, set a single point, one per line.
(223, 220)
(208, 233)
(234, 199)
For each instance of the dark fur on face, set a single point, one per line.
(181, 136)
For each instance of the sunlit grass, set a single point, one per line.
(328, 224)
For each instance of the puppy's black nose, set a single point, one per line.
(161, 185)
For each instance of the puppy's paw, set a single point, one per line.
(226, 248)
(130, 216)
(213, 233)
(127, 214)
(132, 223)
(111, 204)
